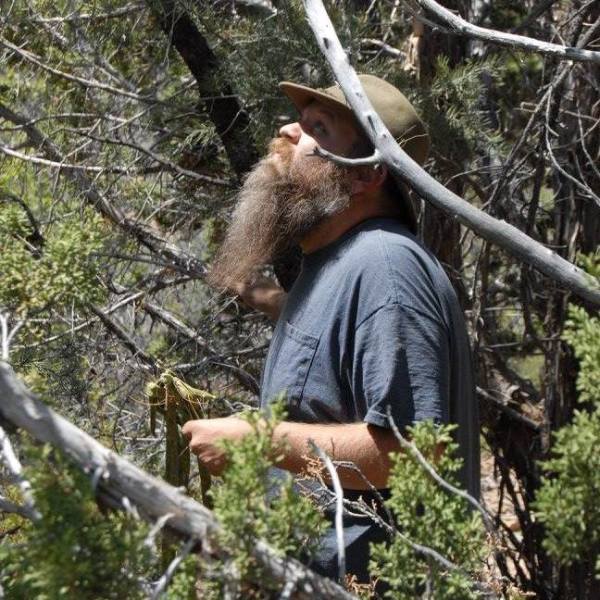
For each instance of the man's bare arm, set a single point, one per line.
(367, 446)
(263, 295)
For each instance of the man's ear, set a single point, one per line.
(368, 179)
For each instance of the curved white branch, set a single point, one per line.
(459, 25)
(374, 159)
(15, 470)
(163, 582)
(339, 510)
(508, 237)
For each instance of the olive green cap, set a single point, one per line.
(396, 112)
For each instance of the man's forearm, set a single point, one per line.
(367, 446)
(263, 295)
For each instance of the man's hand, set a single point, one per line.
(263, 295)
(204, 434)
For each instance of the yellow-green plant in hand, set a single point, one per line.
(179, 402)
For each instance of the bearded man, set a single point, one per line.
(371, 324)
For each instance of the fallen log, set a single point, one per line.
(119, 479)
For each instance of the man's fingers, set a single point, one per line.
(187, 429)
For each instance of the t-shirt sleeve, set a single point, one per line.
(401, 361)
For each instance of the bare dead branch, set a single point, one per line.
(15, 470)
(74, 17)
(153, 497)
(163, 582)
(373, 160)
(501, 233)
(339, 510)
(386, 48)
(87, 83)
(114, 327)
(247, 381)
(461, 26)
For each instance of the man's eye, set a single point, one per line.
(319, 128)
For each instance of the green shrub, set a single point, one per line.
(430, 516)
(289, 523)
(75, 550)
(567, 501)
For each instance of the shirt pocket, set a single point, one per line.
(291, 363)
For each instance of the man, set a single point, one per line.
(372, 321)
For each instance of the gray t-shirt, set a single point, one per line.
(372, 321)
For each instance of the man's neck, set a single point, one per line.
(359, 210)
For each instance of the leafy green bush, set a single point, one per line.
(426, 514)
(54, 267)
(75, 550)
(290, 523)
(567, 502)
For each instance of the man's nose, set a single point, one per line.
(291, 131)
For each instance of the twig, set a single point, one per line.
(372, 160)
(156, 529)
(88, 322)
(148, 361)
(15, 470)
(390, 50)
(44, 162)
(87, 83)
(17, 509)
(460, 25)
(517, 416)
(488, 520)
(352, 466)
(339, 510)
(584, 188)
(75, 17)
(163, 582)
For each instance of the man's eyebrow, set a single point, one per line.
(321, 109)
(328, 113)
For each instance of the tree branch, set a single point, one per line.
(171, 321)
(459, 25)
(372, 160)
(146, 236)
(153, 497)
(339, 510)
(86, 83)
(508, 237)
(15, 470)
(415, 452)
(225, 111)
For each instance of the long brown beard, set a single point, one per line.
(275, 209)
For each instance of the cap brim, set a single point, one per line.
(301, 96)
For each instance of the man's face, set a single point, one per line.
(320, 126)
(286, 195)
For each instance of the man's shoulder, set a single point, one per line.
(386, 255)
(388, 244)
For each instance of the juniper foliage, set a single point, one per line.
(567, 502)
(290, 523)
(426, 514)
